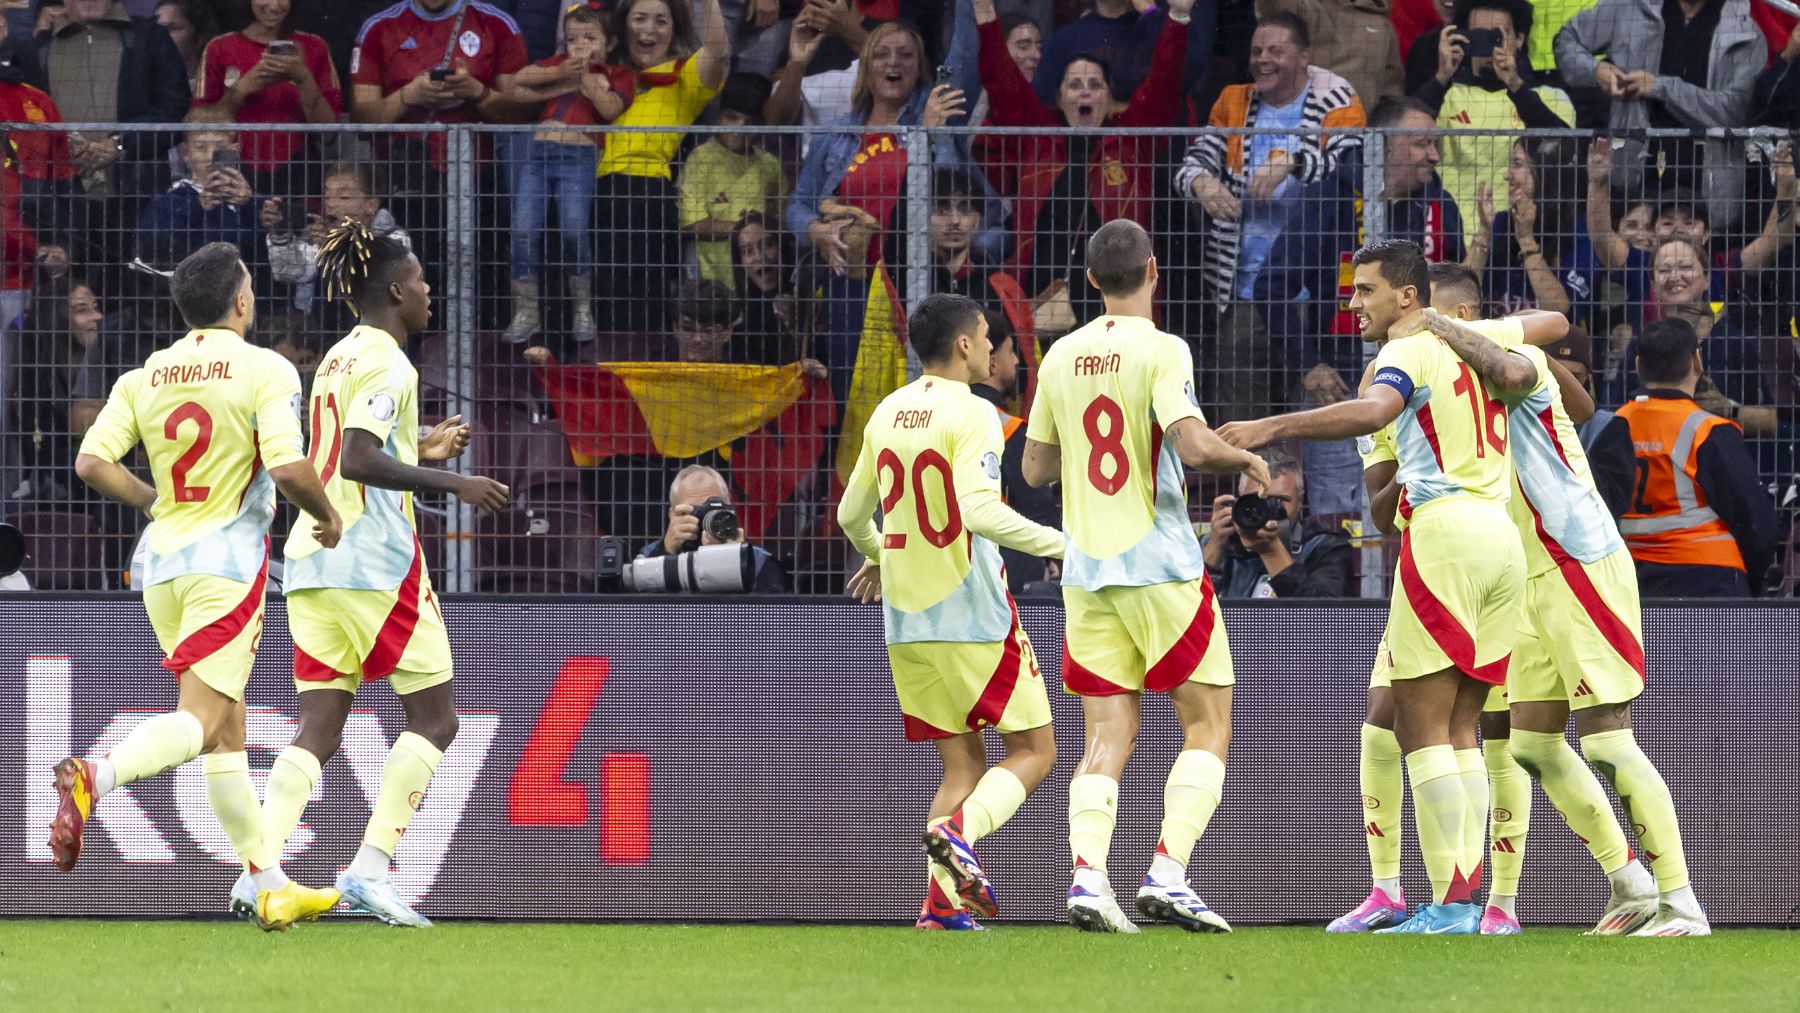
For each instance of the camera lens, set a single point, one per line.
(1250, 512)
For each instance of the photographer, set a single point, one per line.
(696, 493)
(1281, 557)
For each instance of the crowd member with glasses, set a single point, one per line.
(1284, 557)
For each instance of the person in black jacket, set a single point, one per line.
(1038, 505)
(1285, 558)
(1776, 95)
(106, 66)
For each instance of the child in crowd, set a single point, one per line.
(577, 90)
(294, 235)
(730, 175)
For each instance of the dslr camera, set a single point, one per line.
(714, 569)
(1250, 512)
(716, 519)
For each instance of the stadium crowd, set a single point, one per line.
(725, 294)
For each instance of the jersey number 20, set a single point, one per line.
(888, 462)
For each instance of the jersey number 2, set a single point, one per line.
(930, 460)
(1490, 420)
(203, 424)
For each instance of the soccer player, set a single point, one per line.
(931, 458)
(1461, 574)
(1582, 648)
(364, 608)
(220, 421)
(1115, 419)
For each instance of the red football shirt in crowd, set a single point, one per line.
(404, 41)
(37, 156)
(230, 57)
(574, 109)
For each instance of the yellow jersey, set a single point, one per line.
(213, 413)
(364, 382)
(1378, 448)
(1451, 437)
(932, 450)
(1106, 393)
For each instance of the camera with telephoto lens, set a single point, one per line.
(1250, 512)
(714, 569)
(716, 519)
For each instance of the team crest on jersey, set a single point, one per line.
(382, 407)
(1188, 389)
(298, 403)
(470, 43)
(1365, 445)
(232, 74)
(990, 465)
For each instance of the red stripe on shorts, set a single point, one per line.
(999, 689)
(1184, 657)
(396, 632)
(1451, 638)
(1082, 681)
(1611, 627)
(919, 731)
(203, 642)
(310, 669)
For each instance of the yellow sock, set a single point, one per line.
(1574, 791)
(1647, 802)
(1511, 813)
(1475, 817)
(233, 800)
(1438, 804)
(996, 797)
(291, 782)
(161, 743)
(1093, 809)
(1196, 783)
(404, 778)
(1383, 791)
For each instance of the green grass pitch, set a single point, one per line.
(181, 966)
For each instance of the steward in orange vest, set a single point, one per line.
(1040, 505)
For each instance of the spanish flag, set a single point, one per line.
(880, 366)
(675, 409)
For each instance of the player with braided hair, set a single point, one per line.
(364, 609)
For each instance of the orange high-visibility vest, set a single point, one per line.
(1669, 521)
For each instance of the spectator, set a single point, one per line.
(1547, 19)
(1776, 93)
(636, 214)
(211, 201)
(694, 486)
(1541, 258)
(34, 177)
(1355, 40)
(762, 260)
(1605, 437)
(438, 61)
(293, 235)
(61, 324)
(1124, 37)
(803, 94)
(1039, 505)
(705, 317)
(1245, 186)
(851, 186)
(576, 89)
(1696, 72)
(1305, 287)
(141, 320)
(758, 29)
(1701, 523)
(290, 334)
(191, 24)
(1284, 558)
(104, 66)
(730, 175)
(269, 73)
(1422, 55)
(1001, 156)
(1483, 92)
(1681, 215)
(956, 203)
(1076, 174)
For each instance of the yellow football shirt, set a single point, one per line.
(1106, 394)
(364, 382)
(928, 447)
(213, 413)
(1451, 437)
(675, 104)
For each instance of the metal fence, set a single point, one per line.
(745, 311)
